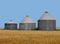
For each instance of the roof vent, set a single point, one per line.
(46, 12)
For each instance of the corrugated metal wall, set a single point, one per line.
(47, 24)
(11, 26)
(27, 26)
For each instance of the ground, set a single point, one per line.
(29, 37)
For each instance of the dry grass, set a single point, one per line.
(29, 37)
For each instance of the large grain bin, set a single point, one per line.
(27, 24)
(46, 22)
(11, 25)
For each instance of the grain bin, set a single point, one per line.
(11, 25)
(27, 24)
(46, 22)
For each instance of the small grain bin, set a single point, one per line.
(46, 22)
(11, 25)
(27, 24)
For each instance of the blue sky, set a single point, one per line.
(16, 10)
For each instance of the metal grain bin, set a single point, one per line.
(11, 25)
(27, 24)
(46, 22)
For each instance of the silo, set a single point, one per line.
(46, 22)
(27, 24)
(11, 25)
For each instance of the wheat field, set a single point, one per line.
(29, 37)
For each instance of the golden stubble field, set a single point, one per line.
(29, 37)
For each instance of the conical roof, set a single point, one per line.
(10, 22)
(46, 16)
(27, 19)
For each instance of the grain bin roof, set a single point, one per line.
(27, 19)
(46, 16)
(10, 22)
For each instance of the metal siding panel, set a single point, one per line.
(11, 26)
(27, 26)
(21, 26)
(46, 24)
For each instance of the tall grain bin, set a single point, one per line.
(46, 22)
(27, 24)
(11, 25)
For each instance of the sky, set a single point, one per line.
(16, 10)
